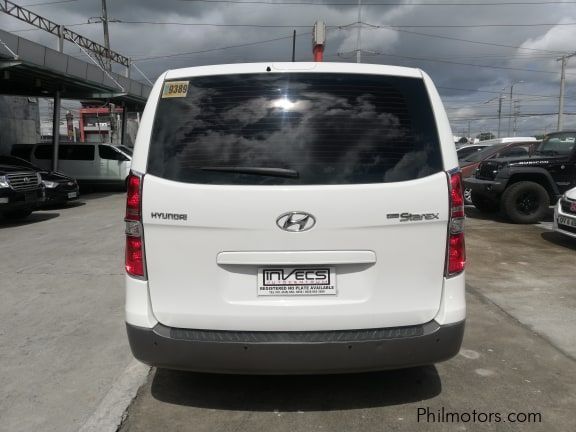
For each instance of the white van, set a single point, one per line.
(294, 218)
(87, 163)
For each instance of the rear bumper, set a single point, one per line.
(316, 352)
(60, 194)
(11, 200)
(488, 188)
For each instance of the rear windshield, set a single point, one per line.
(484, 153)
(559, 144)
(321, 128)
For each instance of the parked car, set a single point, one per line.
(469, 164)
(275, 215)
(21, 191)
(524, 187)
(59, 188)
(126, 150)
(87, 163)
(468, 150)
(565, 214)
(22, 151)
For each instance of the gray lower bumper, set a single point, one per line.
(318, 352)
(488, 188)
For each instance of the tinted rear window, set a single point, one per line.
(107, 152)
(66, 152)
(330, 128)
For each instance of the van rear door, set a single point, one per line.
(295, 176)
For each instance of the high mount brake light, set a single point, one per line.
(135, 260)
(456, 256)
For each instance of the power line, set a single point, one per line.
(488, 117)
(477, 25)
(312, 3)
(48, 3)
(36, 29)
(387, 27)
(491, 91)
(462, 64)
(341, 27)
(142, 59)
(218, 25)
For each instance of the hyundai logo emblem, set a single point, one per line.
(296, 221)
(26, 180)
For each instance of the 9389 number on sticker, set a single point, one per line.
(175, 89)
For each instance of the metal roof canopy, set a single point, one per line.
(30, 69)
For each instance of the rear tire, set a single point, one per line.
(484, 205)
(525, 202)
(17, 214)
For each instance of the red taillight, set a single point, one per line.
(135, 263)
(456, 196)
(134, 256)
(133, 198)
(456, 256)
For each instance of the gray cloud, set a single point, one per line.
(152, 40)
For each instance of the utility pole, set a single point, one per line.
(516, 114)
(564, 61)
(500, 98)
(106, 34)
(359, 34)
(511, 105)
(294, 46)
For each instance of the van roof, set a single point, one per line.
(507, 140)
(244, 68)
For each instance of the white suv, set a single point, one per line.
(294, 218)
(565, 214)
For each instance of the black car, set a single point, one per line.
(59, 187)
(21, 191)
(524, 188)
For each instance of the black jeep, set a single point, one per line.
(524, 188)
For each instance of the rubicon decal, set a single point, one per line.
(412, 217)
(169, 216)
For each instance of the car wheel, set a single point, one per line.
(17, 214)
(525, 202)
(468, 195)
(483, 204)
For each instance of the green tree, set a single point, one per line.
(483, 136)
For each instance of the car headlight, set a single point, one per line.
(4, 182)
(49, 184)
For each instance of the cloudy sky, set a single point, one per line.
(472, 51)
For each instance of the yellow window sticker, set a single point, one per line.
(174, 89)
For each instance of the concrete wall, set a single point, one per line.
(19, 122)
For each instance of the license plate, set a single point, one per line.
(30, 196)
(296, 281)
(567, 221)
(72, 195)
